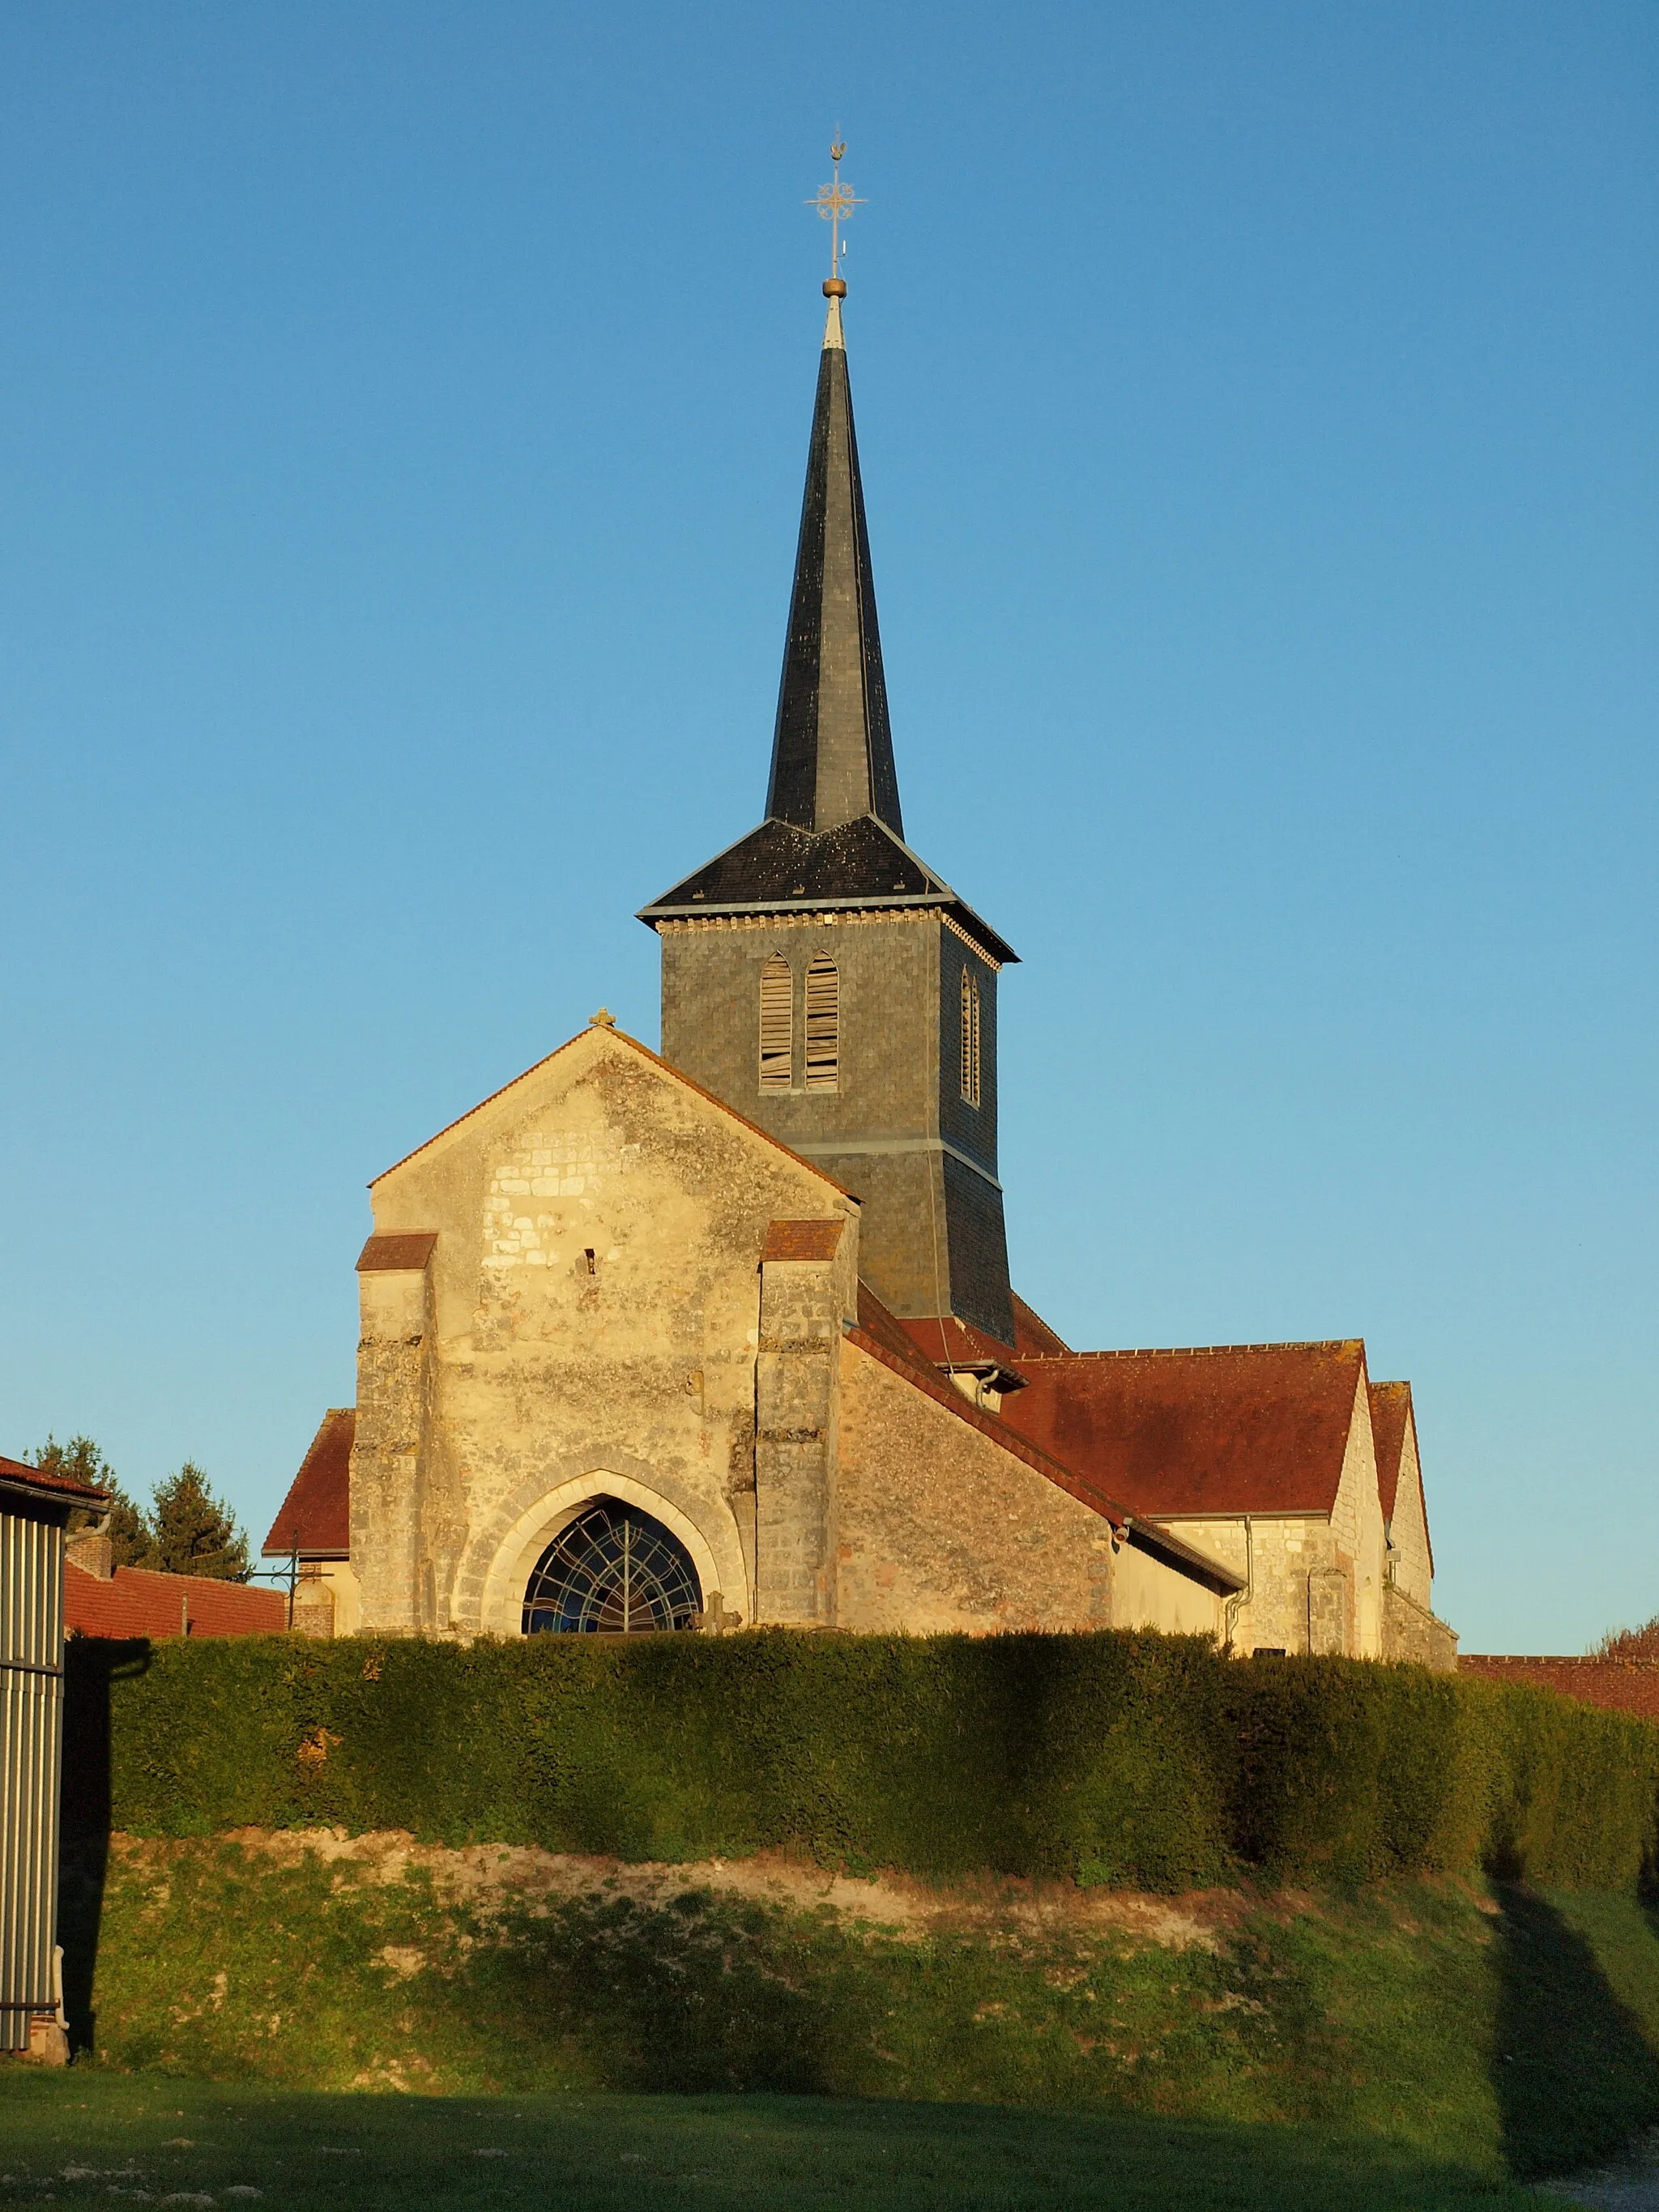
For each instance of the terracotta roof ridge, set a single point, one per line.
(609, 1030)
(1354, 1345)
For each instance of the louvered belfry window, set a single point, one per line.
(822, 1024)
(777, 1024)
(970, 1036)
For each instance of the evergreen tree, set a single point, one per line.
(195, 1533)
(80, 1459)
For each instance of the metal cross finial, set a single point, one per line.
(835, 203)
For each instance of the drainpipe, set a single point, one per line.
(1240, 1598)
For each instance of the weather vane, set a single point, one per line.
(835, 203)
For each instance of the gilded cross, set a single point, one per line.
(835, 203)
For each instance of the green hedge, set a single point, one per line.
(1138, 1760)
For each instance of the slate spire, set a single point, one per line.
(832, 750)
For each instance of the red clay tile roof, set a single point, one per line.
(317, 1512)
(1391, 1410)
(802, 1240)
(18, 1474)
(387, 1254)
(1032, 1333)
(1255, 1428)
(949, 1342)
(1619, 1685)
(138, 1601)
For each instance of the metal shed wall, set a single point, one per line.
(31, 1758)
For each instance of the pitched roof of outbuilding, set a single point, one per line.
(138, 1601)
(1221, 1429)
(316, 1515)
(18, 1474)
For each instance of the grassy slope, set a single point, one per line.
(1482, 2034)
(98, 2141)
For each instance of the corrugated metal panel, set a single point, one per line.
(31, 1757)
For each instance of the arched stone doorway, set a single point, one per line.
(614, 1570)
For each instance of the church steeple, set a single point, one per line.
(832, 748)
(818, 974)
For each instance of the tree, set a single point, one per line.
(1631, 1642)
(80, 1459)
(195, 1533)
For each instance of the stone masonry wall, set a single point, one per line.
(1293, 1570)
(941, 1529)
(1409, 1530)
(595, 1302)
(1411, 1631)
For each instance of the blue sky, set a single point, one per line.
(406, 409)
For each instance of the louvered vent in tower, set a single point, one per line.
(777, 1024)
(970, 1036)
(823, 1025)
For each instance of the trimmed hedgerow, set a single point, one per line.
(1142, 1760)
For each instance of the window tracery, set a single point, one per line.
(614, 1570)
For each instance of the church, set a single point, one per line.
(723, 1336)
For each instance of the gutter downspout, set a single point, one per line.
(1241, 1598)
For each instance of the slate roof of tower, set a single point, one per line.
(834, 834)
(832, 748)
(1225, 1429)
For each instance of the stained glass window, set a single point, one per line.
(614, 1570)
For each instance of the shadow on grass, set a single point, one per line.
(1574, 2074)
(91, 1664)
(603, 2153)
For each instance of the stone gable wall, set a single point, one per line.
(543, 1371)
(1409, 1530)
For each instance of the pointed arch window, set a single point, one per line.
(970, 1036)
(613, 1571)
(777, 1024)
(822, 1024)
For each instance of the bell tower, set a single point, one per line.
(821, 978)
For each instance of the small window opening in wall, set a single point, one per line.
(970, 1036)
(588, 1260)
(777, 1024)
(822, 1024)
